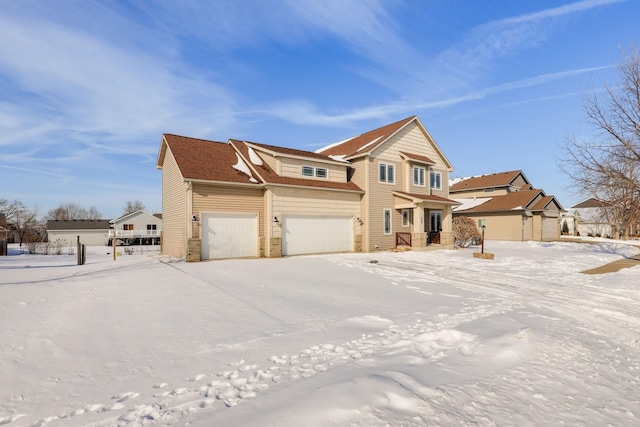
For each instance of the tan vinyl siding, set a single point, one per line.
(380, 198)
(509, 226)
(410, 139)
(296, 201)
(292, 168)
(444, 183)
(69, 238)
(233, 199)
(470, 194)
(359, 177)
(519, 181)
(174, 209)
(271, 161)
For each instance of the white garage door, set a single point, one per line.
(316, 234)
(550, 227)
(229, 235)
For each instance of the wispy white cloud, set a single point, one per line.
(470, 57)
(305, 113)
(86, 88)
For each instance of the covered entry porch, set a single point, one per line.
(428, 220)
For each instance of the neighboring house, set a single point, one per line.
(7, 233)
(589, 218)
(508, 206)
(136, 228)
(3, 241)
(378, 190)
(92, 232)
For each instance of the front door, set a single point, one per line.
(435, 226)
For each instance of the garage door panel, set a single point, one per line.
(316, 234)
(229, 235)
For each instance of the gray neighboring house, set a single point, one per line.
(92, 232)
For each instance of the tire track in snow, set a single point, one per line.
(599, 308)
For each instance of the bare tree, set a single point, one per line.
(133, 206)
(25, 221)
(607, 167)
(9, 208)
(93, 213)
(71, 211)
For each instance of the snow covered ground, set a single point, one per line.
(412, 338)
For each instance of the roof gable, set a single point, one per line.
(591, 202)
(365, 142)
(494, 180)
(139, 212)
(200, 159)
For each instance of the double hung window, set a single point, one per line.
(436, 180)
(418, 176)
(386, 173)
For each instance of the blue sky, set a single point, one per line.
(87, 88)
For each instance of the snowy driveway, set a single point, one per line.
(415, 338)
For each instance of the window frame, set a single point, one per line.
(389, 169)
(406, 215)
(438, 176)
(326, 173)
(421, 174)
(386, 215)
(313, 172)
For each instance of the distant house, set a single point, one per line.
(136, 228)
(589, 218)
(383, 188)
(508, 206)
(6, 231)
(92, 232)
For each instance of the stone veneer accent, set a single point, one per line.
(419, 240)
(193, 250)
(275, 247)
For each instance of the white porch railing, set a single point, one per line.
(133, 234)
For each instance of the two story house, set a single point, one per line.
(384, 188)
(508, 206)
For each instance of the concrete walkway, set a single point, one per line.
(614, 266)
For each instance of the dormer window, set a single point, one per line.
(315, 172)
